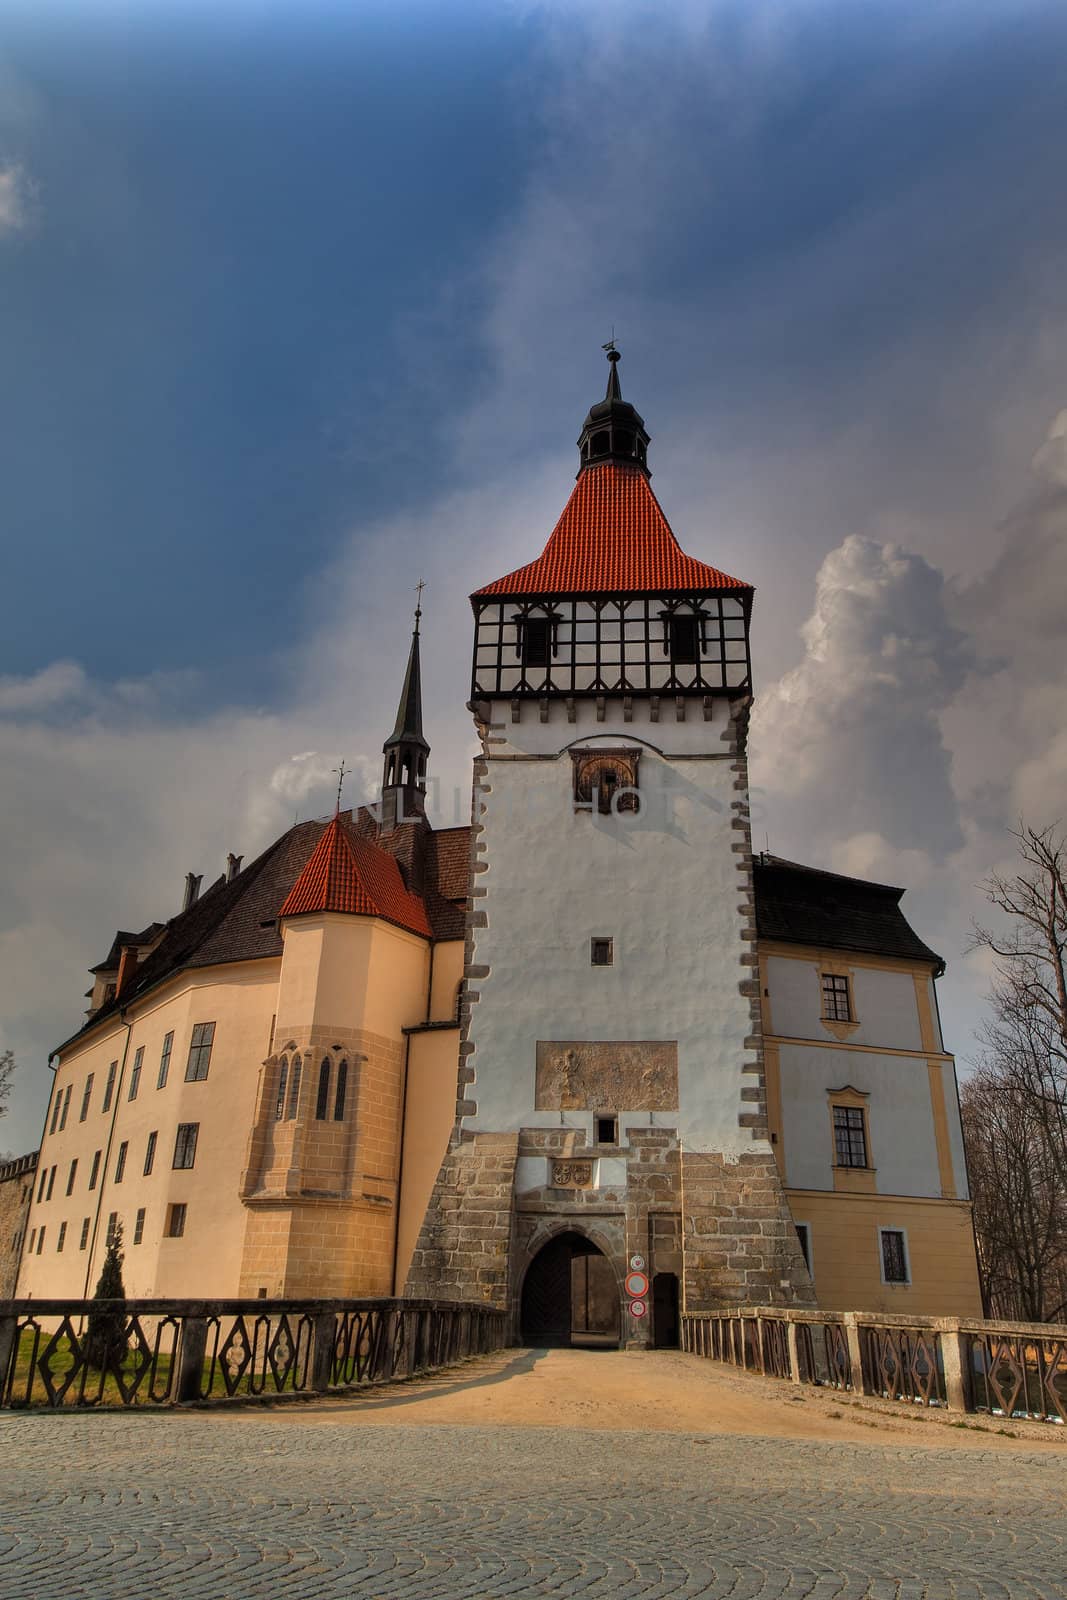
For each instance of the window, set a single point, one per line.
(185, 1144)
(199, 1052)
(322, 1098)
(836, 1002)
(607, 1130)
(41, 1187)
(894, 1256)
(51, 1183)
(120, 1164)
(109, 1086)
(71, 1175)
(294, 1089)
(601, 952)
(135, 1074)
(138, 1226)
(94, 1170)
(339, 1098)
(62, 1239)
(685, 640)
(164, 1060)
(535, 642)
(29, 1247)
(112, 1225)
(40, 1241)
(150, 1154)
(804, 1235)
(605, 781)
(66, 1107)
(86, 1095)
(56, 1103)
(283, 1078)
(175, 1221)
(84, 1240)
(850, 1137)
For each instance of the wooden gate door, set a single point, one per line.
(546, 1296)
(594, 1301)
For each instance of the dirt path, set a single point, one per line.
(659, 1391)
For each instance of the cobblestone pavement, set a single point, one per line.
(239, 1506)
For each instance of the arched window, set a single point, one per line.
(342, 1084)
(283, 1078)
(322, 1099)
(294, 1088)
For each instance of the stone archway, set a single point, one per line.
(570, 1296)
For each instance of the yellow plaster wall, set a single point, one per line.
(240, 1000)
(847, 1262)
(431, 1113)
(447, 972)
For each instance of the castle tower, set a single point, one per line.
(612, 1100)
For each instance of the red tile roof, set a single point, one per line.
(612, 537)
(346, 873)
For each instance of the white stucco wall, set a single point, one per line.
(884, 1002)
(903, 1147)
(663, 885)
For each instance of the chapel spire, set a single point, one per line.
(613, 429)
(406, 749)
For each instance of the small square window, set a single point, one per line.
(175, 1221)
(607, 1130)
(602, 952)
(894, 1256)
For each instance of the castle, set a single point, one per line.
(507, 1062)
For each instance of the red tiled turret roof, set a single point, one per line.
(612, 537)
(346, 873)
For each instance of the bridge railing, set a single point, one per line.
(170, 1352)
(1007, 1369)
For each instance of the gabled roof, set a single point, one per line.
(804, 905)
(349, 874)
(613, 537)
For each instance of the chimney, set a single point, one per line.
(127, 968)
(233, 866)
(192, 889)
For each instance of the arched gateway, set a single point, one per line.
(570, 1296)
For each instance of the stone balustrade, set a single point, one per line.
(180, 1352)
(1009, 1369)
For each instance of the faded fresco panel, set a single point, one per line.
(620, 1075)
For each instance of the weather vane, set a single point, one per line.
(342, 773)
(613, 354)
(419, 587)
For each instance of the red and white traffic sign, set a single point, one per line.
(638, 1308)
(636, 1285)
(637, 1263)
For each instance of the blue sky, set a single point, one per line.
(300, 303)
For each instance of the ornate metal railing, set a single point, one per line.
(1012, 1370)
(171, 1352)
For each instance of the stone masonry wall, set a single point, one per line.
(16, 1190)
(464, 1246)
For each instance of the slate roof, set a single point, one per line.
(804, 905)
(614, 538)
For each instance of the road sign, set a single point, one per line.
(636, 1285)
(637, 1263)
(638, 1308)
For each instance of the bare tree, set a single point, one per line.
(7, 1070)
(1015, 1108)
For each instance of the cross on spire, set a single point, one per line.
(342, 773)
(419, 587)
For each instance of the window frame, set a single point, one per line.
(120, 1161)
(138, 1225)
(601, 1117)
(135, 1073)
(71, 1175)
(849, 1128)
(322, 1091)
(186, 1138)
(150, 1153)
(834, 985)
(87, 1093)
(902, 1235)
(61, 1238)
(164, 1059)
(94, 1170)
(201, 1044)
(83, 1242)
(66, 1106)
(177, 1216)
(109, 1086)
(602, 945)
